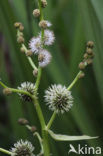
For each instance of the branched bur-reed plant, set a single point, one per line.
(57, 97)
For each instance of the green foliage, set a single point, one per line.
(74, 23)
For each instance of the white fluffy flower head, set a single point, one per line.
(44, 58)
(48, 37)
(58, 98)
(22, 148)
(35, 45)
(27, 86)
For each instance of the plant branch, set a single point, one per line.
(15, 90)
(75, 80)
(5, 151)
(40, 141)
(51, 121)
(29, 59)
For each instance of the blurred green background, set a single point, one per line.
(74, 23)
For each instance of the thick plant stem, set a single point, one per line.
(5, 151)
(43, 125)
(45, 143)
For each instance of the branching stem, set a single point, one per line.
(5, 151)
(75, 80)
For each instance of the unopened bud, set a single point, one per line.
(82, 65)
(21, 27)
(89, 51)
(43, 3)
(43, 24)
(22, 50)
(23, 121)
(17, 24)
(20, 39)
(90, 44)
(89, 61)
(81, 75)
(35, 72)
(7, 91)
(85, 56)
(36, 13)
(29, 53)
(33, 129)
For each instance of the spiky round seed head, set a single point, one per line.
(44, 3)
(35, 72)
(33, 129)
(29, 53)
(58, 98)
(89, 51)
(35, 45)
(49, 37)
(81, 75)
(36, 13)
(90, 44)
(89, 61)
(81, 65)
(44, 58)
(85, 56)
(7, 91)
(23, 121)
(20, 39)
(17, 24)
(22, 148)
(22, 49)
(29, 87)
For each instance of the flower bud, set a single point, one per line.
(35, 72)
(17, 24)
(43, 3)
(23, 121)
(22, 50)
(82, 65)
(89, 51)
(29, 53)
(89, 61)
(33, 129)
(20, 39)
(81, 75)
(21, 27)
(90, 44)
(36, 13)
(43, 24)
(7, 91)
(85, 56)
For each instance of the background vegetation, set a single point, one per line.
(74, 23)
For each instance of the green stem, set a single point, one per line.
(5, 151)
(40, 141)
(38, 78)
(51, 121)
(39, 112)
(75, 80)
(29, 58)
(15, 90)
(43, 125)
(3, 85)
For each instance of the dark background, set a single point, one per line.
(74, 23)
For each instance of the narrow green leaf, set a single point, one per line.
(60, 137)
